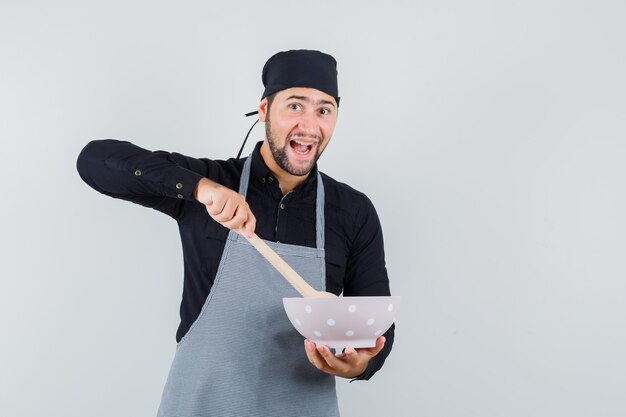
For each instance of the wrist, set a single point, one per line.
(203, 187)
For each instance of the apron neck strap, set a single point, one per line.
(319, 201)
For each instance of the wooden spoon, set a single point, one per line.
(285, 270)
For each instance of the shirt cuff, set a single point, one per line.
(181, 184)
(176, 182)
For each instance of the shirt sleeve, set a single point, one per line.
(157, 179)
(366, 273)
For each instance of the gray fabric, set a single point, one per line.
(242, 356)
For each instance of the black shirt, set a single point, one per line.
(164, 181)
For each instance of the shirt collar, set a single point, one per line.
(260, 170)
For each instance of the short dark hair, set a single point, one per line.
(270, 99)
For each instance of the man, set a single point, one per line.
(237, 353)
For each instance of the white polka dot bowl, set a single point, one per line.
(343, 321)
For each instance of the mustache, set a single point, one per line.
(298, 134)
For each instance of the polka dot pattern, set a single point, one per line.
(342, 322)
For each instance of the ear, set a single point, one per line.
(263, 110)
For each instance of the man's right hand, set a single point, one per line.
(225, 206)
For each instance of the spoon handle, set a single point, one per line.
(281, 266)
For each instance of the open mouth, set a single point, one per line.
(301, 148)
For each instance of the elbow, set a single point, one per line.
(90, 159)
(85, 159)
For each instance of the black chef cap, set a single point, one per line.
(300, 68)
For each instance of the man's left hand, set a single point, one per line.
(352, 363)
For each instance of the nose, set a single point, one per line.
(308, 124)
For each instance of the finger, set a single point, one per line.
(331, 360)
(318, 360)
(350, 355)
(250, 224)
(314, 357)
(228, 211)
(237, 221)
(215, 206)
(380, 343)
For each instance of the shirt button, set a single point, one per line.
(180, 196)
(278, 241)
(179, 186)
(263, 180)
(137, 173)
(270, 179)
(282, 206)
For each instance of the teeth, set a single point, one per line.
(301, 143)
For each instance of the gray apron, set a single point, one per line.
(242, 357)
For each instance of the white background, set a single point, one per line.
(490, 135)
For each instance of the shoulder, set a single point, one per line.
(346, 201)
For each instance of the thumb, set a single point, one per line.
(380, 343)
(250, 225)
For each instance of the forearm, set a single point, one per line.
(120, 169)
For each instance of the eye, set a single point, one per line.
(295, 106)
(325, 111)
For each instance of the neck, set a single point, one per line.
(286, 181)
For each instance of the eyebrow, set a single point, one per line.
(308, 100)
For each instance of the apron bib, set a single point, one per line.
(242, 357)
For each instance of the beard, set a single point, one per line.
(280, 154)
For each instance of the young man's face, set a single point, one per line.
(298, 127)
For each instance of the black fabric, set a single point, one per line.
(355, 259)
(300, 68)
